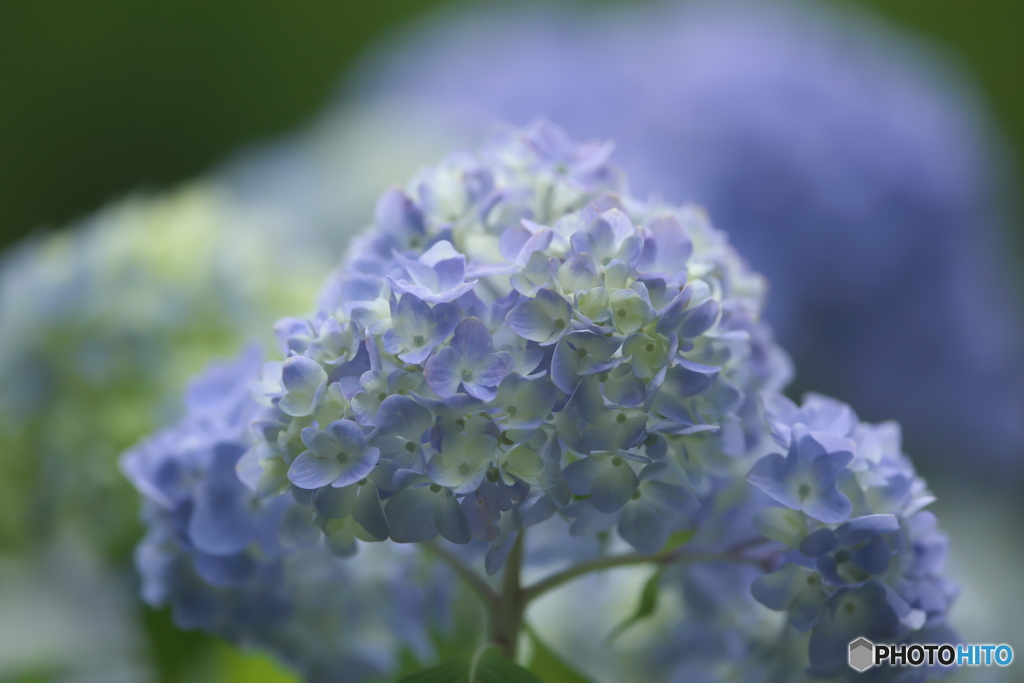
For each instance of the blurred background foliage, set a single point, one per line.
(102, 97)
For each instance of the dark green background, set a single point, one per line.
(100, 97)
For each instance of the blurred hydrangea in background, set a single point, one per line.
(851, 166)
(98, 326)
(99, 322)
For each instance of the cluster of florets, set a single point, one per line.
(250, 569)
(862, 558)
(516, 338)
(519, 339)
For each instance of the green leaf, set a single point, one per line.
(549, 666)
(235, 666)
(484, 665)
(678, 539)
(647, 606)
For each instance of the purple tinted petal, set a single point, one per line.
(483, 508)
(582, 243)
(451, 294)
(769, 475)
(232, 570)
(446, 317)
(319, 441)
(565, 367)
(511, 242)
(873, 557)
(828, 506)
(819, 542)
(490, 371)
(472, 340)
(400, 415)
(393, 341)
(357, 467)
(348, 435)
(311, 471)
(396, 213)
(826, 468)
(668, 248)
(450, 273)
(697, 320)
(863, 528)
(442, 373)
(412, 315)
(538, 242)
(481, 392)
(579, 272)
(422, 275)
(221, 521)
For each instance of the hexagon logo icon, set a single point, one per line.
(862, 654)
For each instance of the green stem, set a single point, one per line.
(506, 609)
(661, 559)
(507, 618)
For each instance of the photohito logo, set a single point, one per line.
(864, 654)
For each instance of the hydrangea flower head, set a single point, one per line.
(862, 558)
(518, 343)
(522, 332)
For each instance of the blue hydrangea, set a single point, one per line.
(506, 348)
(859, 555)
(248, 568)
(853, 167)
(875, 570)
(523, 332)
